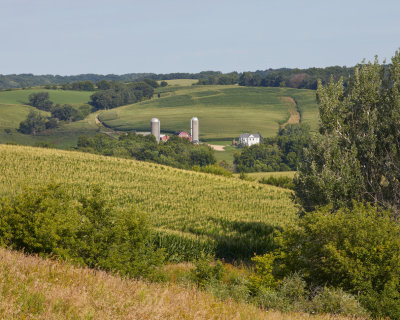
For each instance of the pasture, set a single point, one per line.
(180, 82)
(20, 97)
(14, 109)
(190, 211)
(224, 111)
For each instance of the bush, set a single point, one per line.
(336, 301)
(283, 182)
(90, 231)
(205, 271)
(357, 250)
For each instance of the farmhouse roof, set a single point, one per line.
(246, 135)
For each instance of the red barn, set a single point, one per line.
(183, 134)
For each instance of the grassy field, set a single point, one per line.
(64, 137)
(13, 110)
(20, 97)
(224, 111)
(190, 210)
(35, 288)
(180, 82)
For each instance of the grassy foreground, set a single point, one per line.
(35, 288)
(227, 215)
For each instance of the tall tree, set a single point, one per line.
(356, 154)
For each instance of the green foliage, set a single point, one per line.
(63, 112)
(79, 86)
(88, 231)
(33, 124)
(357, 250)
(41, 101)
(262, 278)
(282, 153)
(336, 301)
(176, 152)
(356, 155)
(120, 94)
(163, 83)
(278, 181)
(206, 271)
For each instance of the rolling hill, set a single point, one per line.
(190, 211)
(224, 111)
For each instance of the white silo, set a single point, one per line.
(155, 128)
(194, 129)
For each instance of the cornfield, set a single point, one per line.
(190, 211)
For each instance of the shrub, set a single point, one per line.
(357, 250)
(206, 271)
(336, 301)
(90, 231)
(283, 182)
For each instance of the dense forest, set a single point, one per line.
(283, 77)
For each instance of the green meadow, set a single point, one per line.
(224, 112)
(20, 97)
(14, 109)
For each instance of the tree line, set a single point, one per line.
(176, 152)
(281, 153)
(283, 77)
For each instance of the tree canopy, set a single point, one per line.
(356, 154)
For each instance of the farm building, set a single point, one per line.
(248, 139)
(183, 134)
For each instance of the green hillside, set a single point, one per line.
(13, 110)
(20, 97)
(190, 210)
(224, 111)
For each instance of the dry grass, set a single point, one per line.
(35, 288)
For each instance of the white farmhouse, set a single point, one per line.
(248, 139)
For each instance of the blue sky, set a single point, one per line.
(120, 36)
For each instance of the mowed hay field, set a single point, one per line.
(224, 112)
(190, 211)
(13, 110)
(36, 288)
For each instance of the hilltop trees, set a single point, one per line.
(40, 100)
(357, 152)
(120, 94)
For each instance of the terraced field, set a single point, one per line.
(191, 211)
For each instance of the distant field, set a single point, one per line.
(224, 112)
(13, 110)
(180, 82)
(57, 96)
(190, 210)
(259, 175)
